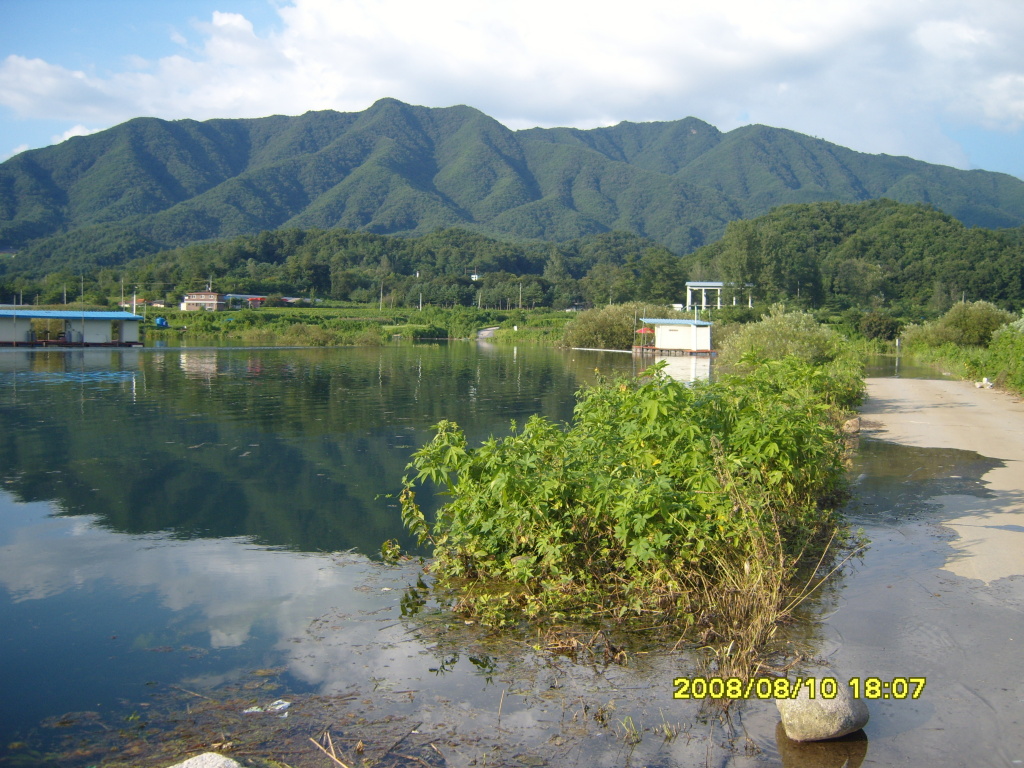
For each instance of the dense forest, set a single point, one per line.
(148, 185)
(910, 259)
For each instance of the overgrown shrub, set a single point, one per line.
(611, 327)
(309, 335)
(1006, 356)
(779, 334)
(879, 325)
(661, 502)
(965, 324)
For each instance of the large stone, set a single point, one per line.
(807, 719)
(208, 760)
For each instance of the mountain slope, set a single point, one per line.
(402, 169)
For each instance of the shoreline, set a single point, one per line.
(929, 413)
(939, 593)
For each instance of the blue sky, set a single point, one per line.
(938, 80)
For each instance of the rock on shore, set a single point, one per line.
(807, 719)
(208, 760)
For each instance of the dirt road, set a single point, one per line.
(940, 592)
(956, 414)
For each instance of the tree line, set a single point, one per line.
(451, 267)
(909, 260)
(912, 260)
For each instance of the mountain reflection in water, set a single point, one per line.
(180, 516)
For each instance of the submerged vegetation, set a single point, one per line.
(663, 504)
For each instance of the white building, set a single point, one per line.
(20, 326)
(681, 336)
(211, 301)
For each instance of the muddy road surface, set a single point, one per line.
(940, 592)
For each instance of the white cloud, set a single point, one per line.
(871, 74)
(33, 88)
(77, 130)
(15, 151)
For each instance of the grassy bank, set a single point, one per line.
(694, 507)
(360, 324)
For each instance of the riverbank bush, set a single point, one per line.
(967, 324)
(534, 327)
(834, 360)
(973, 341)
(780, 334)
(693, 506)
(1006, 356)
(613, 326)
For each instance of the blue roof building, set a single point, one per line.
(28, 327)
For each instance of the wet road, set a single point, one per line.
(940, 592)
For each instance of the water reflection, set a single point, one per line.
(177, 515)
(687, 368)
(902, 367)
(296, 448)
(186, 517)
(897, 483)
(847, 752)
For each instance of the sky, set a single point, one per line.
(937, 80)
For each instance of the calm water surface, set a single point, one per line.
(195, 521)
(176, 516)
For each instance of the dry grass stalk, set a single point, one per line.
(330, 753)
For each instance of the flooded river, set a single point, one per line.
(188, 562)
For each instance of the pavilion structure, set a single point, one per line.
(703, 288)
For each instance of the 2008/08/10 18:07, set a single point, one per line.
(784, 688)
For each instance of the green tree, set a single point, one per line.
(661, 276)
(879, 325)
(606, 283)
(610, 327)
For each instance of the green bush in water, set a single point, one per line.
(658, 494)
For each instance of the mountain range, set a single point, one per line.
(401, 169)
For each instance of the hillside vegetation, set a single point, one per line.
(880, 257)
(910, 259)
(152, 184)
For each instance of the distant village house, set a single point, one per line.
(211, 301)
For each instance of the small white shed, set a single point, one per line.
(684, 336)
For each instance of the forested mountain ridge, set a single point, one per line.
(758, 168)
(394, 168)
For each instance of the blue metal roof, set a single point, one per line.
(674, 321)
(55, 314)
